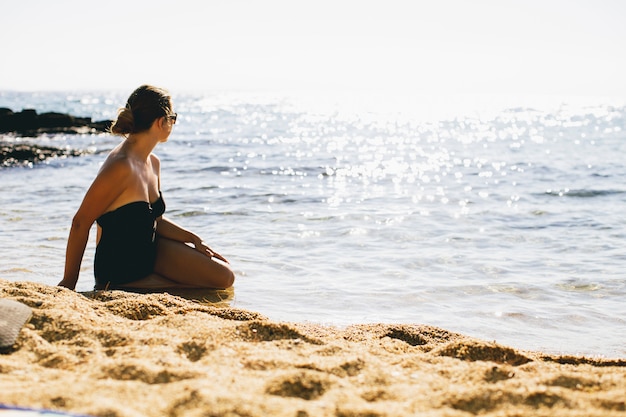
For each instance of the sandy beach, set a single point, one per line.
(125, 354)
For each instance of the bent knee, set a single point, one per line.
(228, 278)
(222, 276)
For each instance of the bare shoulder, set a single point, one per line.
(155, 160)
(112, 180)
(116, 167)
(156, 163)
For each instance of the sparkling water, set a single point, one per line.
(499, 221)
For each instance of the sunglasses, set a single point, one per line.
(172, 117)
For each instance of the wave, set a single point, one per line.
(583, 193)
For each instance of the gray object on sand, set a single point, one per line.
(13, 316)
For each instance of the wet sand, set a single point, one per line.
(124, 354)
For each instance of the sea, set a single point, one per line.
(501, 218)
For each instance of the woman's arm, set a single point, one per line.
(107, 186)
(76, 244)
(170, 230)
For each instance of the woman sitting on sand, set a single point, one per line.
(137, 247)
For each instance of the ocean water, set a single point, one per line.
(499, 219)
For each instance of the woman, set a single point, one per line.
(138, 247)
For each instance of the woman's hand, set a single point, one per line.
(67, 284)
(206, 250)
(170, 230)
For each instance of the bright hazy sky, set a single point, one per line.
(559, 47)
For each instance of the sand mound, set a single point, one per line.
(123, 354)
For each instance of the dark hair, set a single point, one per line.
(143, 107)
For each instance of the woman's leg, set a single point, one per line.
(187, 267)
(151, 282)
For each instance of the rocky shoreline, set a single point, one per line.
(19, 154)
(28, 123)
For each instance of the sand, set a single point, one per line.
(124, 354)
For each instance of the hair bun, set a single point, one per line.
(125, 122)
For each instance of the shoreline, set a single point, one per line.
(125, 354)
(26, 154)
(19, 129)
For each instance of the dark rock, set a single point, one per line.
(15, 154)
(101, 126)
(48, 120)
(28, 123)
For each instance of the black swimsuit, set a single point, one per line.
(126, 251)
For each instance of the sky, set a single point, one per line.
(552, 47)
